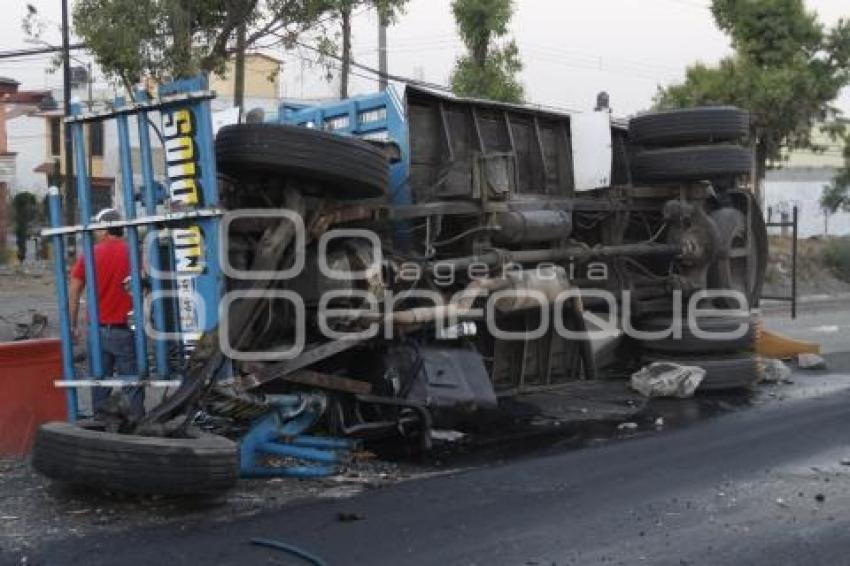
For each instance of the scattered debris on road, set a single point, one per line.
(32, 329)
(810, 361)
(447, 435)
(775, 371)
(343, 517)
(34, 510)
(666, 379)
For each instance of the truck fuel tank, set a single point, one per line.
(521, 227)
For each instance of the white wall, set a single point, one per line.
(269, 105)
(28, 136)
(785, 188)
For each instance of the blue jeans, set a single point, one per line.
(119, 357)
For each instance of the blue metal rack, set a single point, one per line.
(194, 281)
(185, 275)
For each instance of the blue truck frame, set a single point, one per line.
(378, 116)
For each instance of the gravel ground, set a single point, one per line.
(24, 292)
(34, 510)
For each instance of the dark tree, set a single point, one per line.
(787, 70)
(488, 70)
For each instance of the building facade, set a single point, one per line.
(262, 76)
(21, 136)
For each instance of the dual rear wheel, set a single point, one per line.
(690, 144)
(725, 351)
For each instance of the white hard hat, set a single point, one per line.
(107, 215)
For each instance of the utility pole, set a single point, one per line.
(70, 185)
(345, 16)
(382, 53)
(90, 107)
(239, 70)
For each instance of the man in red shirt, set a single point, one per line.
(112, 267)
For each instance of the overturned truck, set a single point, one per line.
(386, 266)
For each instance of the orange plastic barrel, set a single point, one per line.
(27, 395)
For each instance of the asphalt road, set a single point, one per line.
(758, 486)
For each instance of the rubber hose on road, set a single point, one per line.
(291, 549)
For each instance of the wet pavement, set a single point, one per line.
(727, 480)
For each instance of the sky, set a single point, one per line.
(571, 49)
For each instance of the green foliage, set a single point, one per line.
(787, 70)
(129, 51)
(835, 196)
(25, 214)
(388, 10)
(496, 79)
(836, 256)
(769, 32)
(842, 178)
(160, 39)
(478, 21)
(32, 24)
(488, 70)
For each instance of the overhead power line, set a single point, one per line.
(11, 54)
(426, 84)
(374, 71)
(600, 66)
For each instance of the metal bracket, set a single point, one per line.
(151, 104)
(281, 433)
(167, 218)
(81, 383)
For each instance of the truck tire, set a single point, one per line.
(690, 125)
(691, 344)
(346, 167)
(744, 269)
(722, 372)
(761, 248)
(693, 163)
(135, 464)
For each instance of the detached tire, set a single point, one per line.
(346, 167)
(135, 464)
(691, 344)
(690, 125)
(693, 163)
(722, 372)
